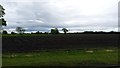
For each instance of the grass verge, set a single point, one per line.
(87, 57)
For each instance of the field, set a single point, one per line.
(89, 57)
(60, 41)
(61, 50)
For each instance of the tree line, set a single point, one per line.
(21, 30)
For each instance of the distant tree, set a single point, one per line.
(20, 30)
(54, 31)
(37, 32)
(88, 32)
(40, 33)
(13, 33)
(46, 33)
(32, 33)
(4, 32)
(112, 31)
(64, 30)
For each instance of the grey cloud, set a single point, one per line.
(44, 15)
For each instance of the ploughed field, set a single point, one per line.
(19, 43)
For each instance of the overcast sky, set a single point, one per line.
(76, 15)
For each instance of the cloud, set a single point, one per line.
(77, 15)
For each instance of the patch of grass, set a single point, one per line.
(62, 58)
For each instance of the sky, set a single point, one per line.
(75, 15)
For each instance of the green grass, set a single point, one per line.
(63, 58)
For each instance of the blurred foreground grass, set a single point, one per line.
(98, 56)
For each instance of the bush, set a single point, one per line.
(54, 31)
(13, 33)
(4, 32)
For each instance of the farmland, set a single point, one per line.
(81, 57)
(60, 50)
(60, 41)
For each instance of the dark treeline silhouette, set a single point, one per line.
(21, 30)
(57, 32)
(90, 32)
(100, 32)
(39, 32)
